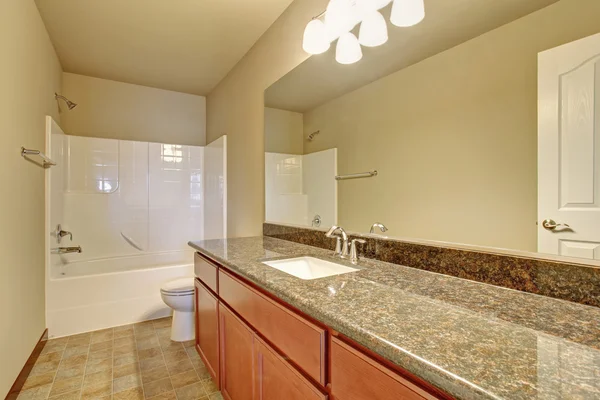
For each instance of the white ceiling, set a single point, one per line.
(181, 45)
(447, 23)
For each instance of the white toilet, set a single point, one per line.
(179, 295)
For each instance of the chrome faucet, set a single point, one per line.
(66, 250)
(378, 225)
(341, 245)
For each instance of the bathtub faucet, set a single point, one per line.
(61, 234)
(66, 250)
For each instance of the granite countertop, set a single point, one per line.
(472, 340)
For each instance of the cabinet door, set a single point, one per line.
(300, 340)
(354, 376)
(237, 344)
(276, 379)
(207, 329)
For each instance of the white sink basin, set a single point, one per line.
(309, 267)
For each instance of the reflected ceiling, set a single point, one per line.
(447, 23)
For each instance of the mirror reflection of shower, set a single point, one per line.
(300, 189)
(69, 103)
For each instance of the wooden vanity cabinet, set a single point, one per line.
(237, 347)
(207, 328)
(276, 379)
(258, 348)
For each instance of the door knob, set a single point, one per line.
(551, 225)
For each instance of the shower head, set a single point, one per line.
(70, 104)
(312, 135)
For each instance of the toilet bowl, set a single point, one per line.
(179, 295)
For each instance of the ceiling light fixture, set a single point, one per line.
(372, 5)
(315, 37)
(348, 49)
(407, 12)
(340, 18)
(373, 30)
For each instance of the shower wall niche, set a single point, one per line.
(123, 198)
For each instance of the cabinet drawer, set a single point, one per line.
(276, 379)
(301, 341)
(355, 376)
(206, 272)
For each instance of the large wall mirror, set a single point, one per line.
(479, 126)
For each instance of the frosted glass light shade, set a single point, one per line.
(315, 37)
(372, 5)
(407, 12)
(348, 49)
(340, 17)
(373, 30)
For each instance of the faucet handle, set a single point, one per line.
(353, 251)
(338, 245)
(60, 234)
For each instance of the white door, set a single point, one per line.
(569, 149)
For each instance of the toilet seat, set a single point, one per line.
(190, 293)
(178, 287)
(178, 294)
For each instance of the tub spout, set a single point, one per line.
(66, 250)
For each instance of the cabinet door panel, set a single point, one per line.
(237, 346)
(275, 379)
(354, 376)
(207, 329)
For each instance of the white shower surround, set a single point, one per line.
(299, 187)
(111, 283)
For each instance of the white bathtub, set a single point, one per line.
(97, 294)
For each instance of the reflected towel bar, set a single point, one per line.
(356, 176)
(47, 162)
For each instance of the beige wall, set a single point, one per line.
(29, 75)
(116, 110)
(283, 131)
(453, 137)
(236, 108)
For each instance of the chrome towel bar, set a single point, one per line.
(356, 176)
(46, 161)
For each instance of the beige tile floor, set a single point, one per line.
(133, 362)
